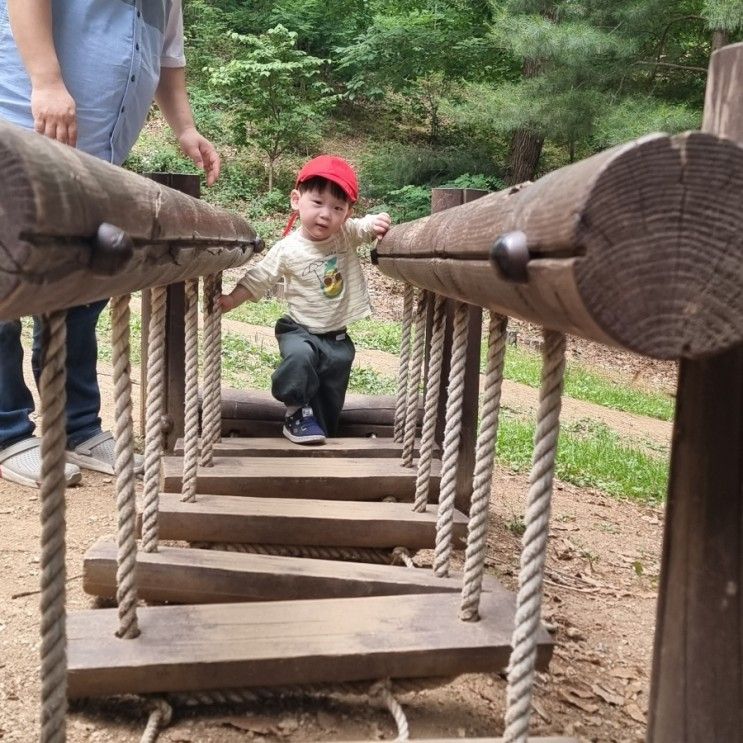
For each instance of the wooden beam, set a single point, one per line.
(217, 646)
(307, 477)
(281, 447)
(697, 686)
(304, 522)
(55, 198)
(203, 576)
(623, 248)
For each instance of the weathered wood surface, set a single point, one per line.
(217, 646)
(273, 446)
(304, 522)
(55, 197)
(201, 576)
(697, 686)
(625, 248)
(305, 477)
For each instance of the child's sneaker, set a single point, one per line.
(302, 427)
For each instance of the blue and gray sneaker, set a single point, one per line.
(302, 427)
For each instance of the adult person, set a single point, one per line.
(84, 72)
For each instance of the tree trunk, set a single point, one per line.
(526, 146)
(523, 158)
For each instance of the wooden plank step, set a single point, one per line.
(354, 478)
(304, 522)
(280, 447)
(215, 646)
(195, 576)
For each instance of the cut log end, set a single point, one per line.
(662, 232)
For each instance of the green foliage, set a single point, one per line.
(265, 312)
(583, 383)
(277, 96)
(395, 165)
(590, 455)
(381, 335)
(369, 382)
(407, 203)
(726, 15)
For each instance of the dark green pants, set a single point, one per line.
(314, 369)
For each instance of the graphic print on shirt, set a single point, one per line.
(327, 273)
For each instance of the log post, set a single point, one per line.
(175, 332)
(697, 684)
(444, 198)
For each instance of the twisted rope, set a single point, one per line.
(474, 563)
(431, 406)
(191, 405)
(534, 552)
(351, 554)
(402, 373)
(452, 435)
(414, 380)
(160, 717)
(53, 576)
(126, 505)
(262, 693)
(153, 423)
(211, 420)
(383, 692)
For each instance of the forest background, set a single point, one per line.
(425, 93)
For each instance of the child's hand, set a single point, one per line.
(226, 302)
(381, 224)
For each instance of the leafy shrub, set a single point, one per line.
(406, 203)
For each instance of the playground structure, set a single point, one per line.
(639, 247)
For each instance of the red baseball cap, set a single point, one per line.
(335, 169)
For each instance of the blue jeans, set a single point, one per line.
(83, 396)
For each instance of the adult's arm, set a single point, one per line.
(52, 106)
(172, 98)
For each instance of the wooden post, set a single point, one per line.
(175, 333)
(697, 683)
(444, 198)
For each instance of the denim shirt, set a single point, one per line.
(110, 53)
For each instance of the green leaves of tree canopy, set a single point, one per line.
(277, 97)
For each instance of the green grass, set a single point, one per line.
(103, 334)
(582, 383)
(266, 312)
(589, 455)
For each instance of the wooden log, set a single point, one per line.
(54, 198)
(301, 522)
(281, 447)
(202, 576)
(697, 686)
(307, 477)
(240, 645)
(639, 247)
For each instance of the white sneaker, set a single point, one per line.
(21, 463)
(99, 454)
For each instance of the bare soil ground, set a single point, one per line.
(600, 597)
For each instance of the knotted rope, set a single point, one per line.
(534, 552)
(155, 409)
(402, 373)
(53, 526)
(452, 435)
(160, 717)
(191, 404)
(431, 406)
(211, 418)
(414, 380)
(126, 505)
(383, 692)
(474, 563)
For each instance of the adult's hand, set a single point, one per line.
(202, 152)
(54, 112)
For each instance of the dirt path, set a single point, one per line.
(600, 600)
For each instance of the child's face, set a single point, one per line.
(321, 214)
